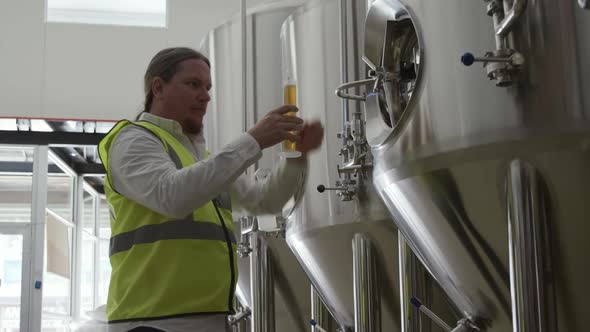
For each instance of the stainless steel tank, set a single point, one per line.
(485, 170)
(281, 298)
(330, 231)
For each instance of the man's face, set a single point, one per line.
(185, 97)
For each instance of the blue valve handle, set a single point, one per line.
(315, 324)
(468, 59)
(418, 304)
(415, 302)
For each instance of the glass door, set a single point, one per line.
(14, 264)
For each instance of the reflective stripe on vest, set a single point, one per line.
(170, 230)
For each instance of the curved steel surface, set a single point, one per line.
(321, 228)
(292, 305)
(442, 172)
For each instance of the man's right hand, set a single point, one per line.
(276, 127)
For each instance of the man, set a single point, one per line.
(172, 247)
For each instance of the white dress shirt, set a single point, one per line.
(141, 169)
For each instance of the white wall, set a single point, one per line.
(21, 56)
(77, 71)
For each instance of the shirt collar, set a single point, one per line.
(171, 126)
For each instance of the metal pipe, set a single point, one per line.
(366, 300)
(267, 284)
(319, 312)
(404, 287)
(261, 285)
(533, 306)
(238, 322)
(511, 16)
(242, 325)
(413, 282)
(355, 49)
(244, 63)
(340, 90)
(344, 63)
(345, 153)
(439, 321)
(497, 19)
(255, 294)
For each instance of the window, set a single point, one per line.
(60, 229)
(58, 266)
(89, 212)
(76, 268)
(11, 259)
(60, 195)
(151, 13)
(89, 247)
(16, 182)
(87, 290)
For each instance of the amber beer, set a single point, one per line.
(290, 96)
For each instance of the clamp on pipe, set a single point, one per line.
(240, 316)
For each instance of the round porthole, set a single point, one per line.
(392, 50)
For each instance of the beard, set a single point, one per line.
(192, 127)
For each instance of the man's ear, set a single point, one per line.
(157, 87)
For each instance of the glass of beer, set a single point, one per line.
(289, 148)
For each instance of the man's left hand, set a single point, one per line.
(312, 136)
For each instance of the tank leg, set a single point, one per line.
(239, 321)
(533, 298)
(319, 312)
(261, 285)
(414, 282)
(366, 295)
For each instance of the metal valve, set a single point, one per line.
(464, 325)
(345, 191)
(248, 225)
(243, 249)
(354, 152)
(516, 59)
(493, 7)
(321, 188)
(501, 65)
(238, 317)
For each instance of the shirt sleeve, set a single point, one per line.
(141, 169)
(269, 195)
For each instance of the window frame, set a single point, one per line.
(101, 20)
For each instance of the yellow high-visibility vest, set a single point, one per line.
(163, 267)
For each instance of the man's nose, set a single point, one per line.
(204, 96)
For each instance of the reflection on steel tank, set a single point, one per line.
(478, 122)
(278, 297)
(340, 230)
